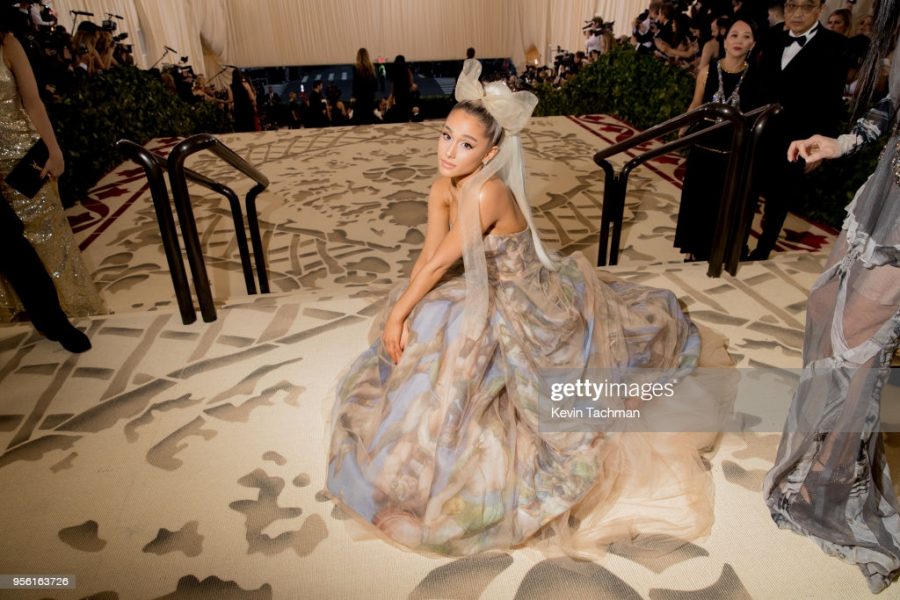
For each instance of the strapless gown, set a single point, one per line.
(454, 462)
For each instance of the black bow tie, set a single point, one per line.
(789, 39)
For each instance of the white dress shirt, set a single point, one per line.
(794, 49)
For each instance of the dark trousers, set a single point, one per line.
(783, 182)
(23, 268)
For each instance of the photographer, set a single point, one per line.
(646, 28)
(85, 44)
(123, 54)
(42, 16)
(599, 36)
(104, 48)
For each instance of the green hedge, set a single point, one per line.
(124, 102)
(636, 88)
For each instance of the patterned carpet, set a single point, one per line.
(186, 461)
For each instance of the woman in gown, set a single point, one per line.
(364, 86)
(244, 102)
(401, 89)
(23, 120)
(729, 80)
(830, 481)
(439, 441)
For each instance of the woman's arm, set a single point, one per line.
(685, 50)
(31, 100)
(438, 224)
(699, 88)
(710, 49)
(494, 199)
(250, 92)
(662, 47)
(866, 130)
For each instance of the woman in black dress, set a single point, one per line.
(244, 103)
(401, 88)
(364, 84)
(727, 81)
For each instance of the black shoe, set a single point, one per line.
(758, 255)
(69, 337)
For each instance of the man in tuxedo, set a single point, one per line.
(316, 115)
(804, 70)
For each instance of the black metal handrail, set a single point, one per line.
(615, 184)
(154, 166)
(747, 203)
(236, 216)
(169, 235)
(736, 207)
(178, 183)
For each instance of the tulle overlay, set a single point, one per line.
(830, 480)
(443, 453)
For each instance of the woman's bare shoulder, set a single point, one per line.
(440, 189)
(495, 190)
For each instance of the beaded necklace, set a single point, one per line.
(734, 99)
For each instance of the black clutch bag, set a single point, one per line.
(25, 177)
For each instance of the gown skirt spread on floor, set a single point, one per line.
(45, 222)
(451, 459)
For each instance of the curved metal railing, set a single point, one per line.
(736, 195)
(154, 167)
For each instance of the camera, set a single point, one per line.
(118, 38)
(597, 26)
(563, 58)
(109, 25)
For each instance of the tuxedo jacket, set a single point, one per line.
(810, 88)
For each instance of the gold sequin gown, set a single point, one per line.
(45, 223)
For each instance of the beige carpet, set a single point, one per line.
(186, 461)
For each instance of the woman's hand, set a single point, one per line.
(55, 166)
(394, 337)
(813, 150)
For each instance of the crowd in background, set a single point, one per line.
(386, 93)
(59, 58)
(686, 34)
(690, 34)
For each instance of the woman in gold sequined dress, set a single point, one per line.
(23, 120)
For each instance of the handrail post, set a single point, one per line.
(178, 183)
(256, 238)
(167, 231)
(747, 201)
(237, 217)
(618, 214)
(727, 206)
(610, 195)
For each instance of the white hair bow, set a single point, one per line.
(511, 109)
